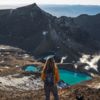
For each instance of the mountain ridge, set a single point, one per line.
(24, 27)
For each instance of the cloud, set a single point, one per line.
(84, 2)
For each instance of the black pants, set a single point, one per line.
(52, 89)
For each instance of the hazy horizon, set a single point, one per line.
(63, 10)
(82, 2)
(5, 6)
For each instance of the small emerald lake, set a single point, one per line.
(67, 76)
(31, 68)
(72, 78)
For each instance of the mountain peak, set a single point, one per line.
(31, 6)
(34, 5)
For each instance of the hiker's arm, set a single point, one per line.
(57, 75)
(43, 75)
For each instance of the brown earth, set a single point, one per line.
(86, 91)
(72, 93)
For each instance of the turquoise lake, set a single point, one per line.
(31, 68)
(72, 78)
(69, 77)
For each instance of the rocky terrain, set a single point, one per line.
(28, 34)
(16, 84)
(32, 29)
(12, 76)
(87, 91)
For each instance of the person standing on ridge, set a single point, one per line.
(50, 76)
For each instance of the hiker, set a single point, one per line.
(50, 76)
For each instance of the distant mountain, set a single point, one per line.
(71, 10)
(90, 23)
(41, 33)
(63, 10)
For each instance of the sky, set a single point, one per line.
(71, 2)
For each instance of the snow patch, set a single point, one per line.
(44, 33)
(50, 56)
(75, 66)
(26, 82)
(62, 59)
(87, 67)
(91, 61)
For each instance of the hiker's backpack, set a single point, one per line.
(49, 79)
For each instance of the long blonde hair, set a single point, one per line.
(50, 65)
